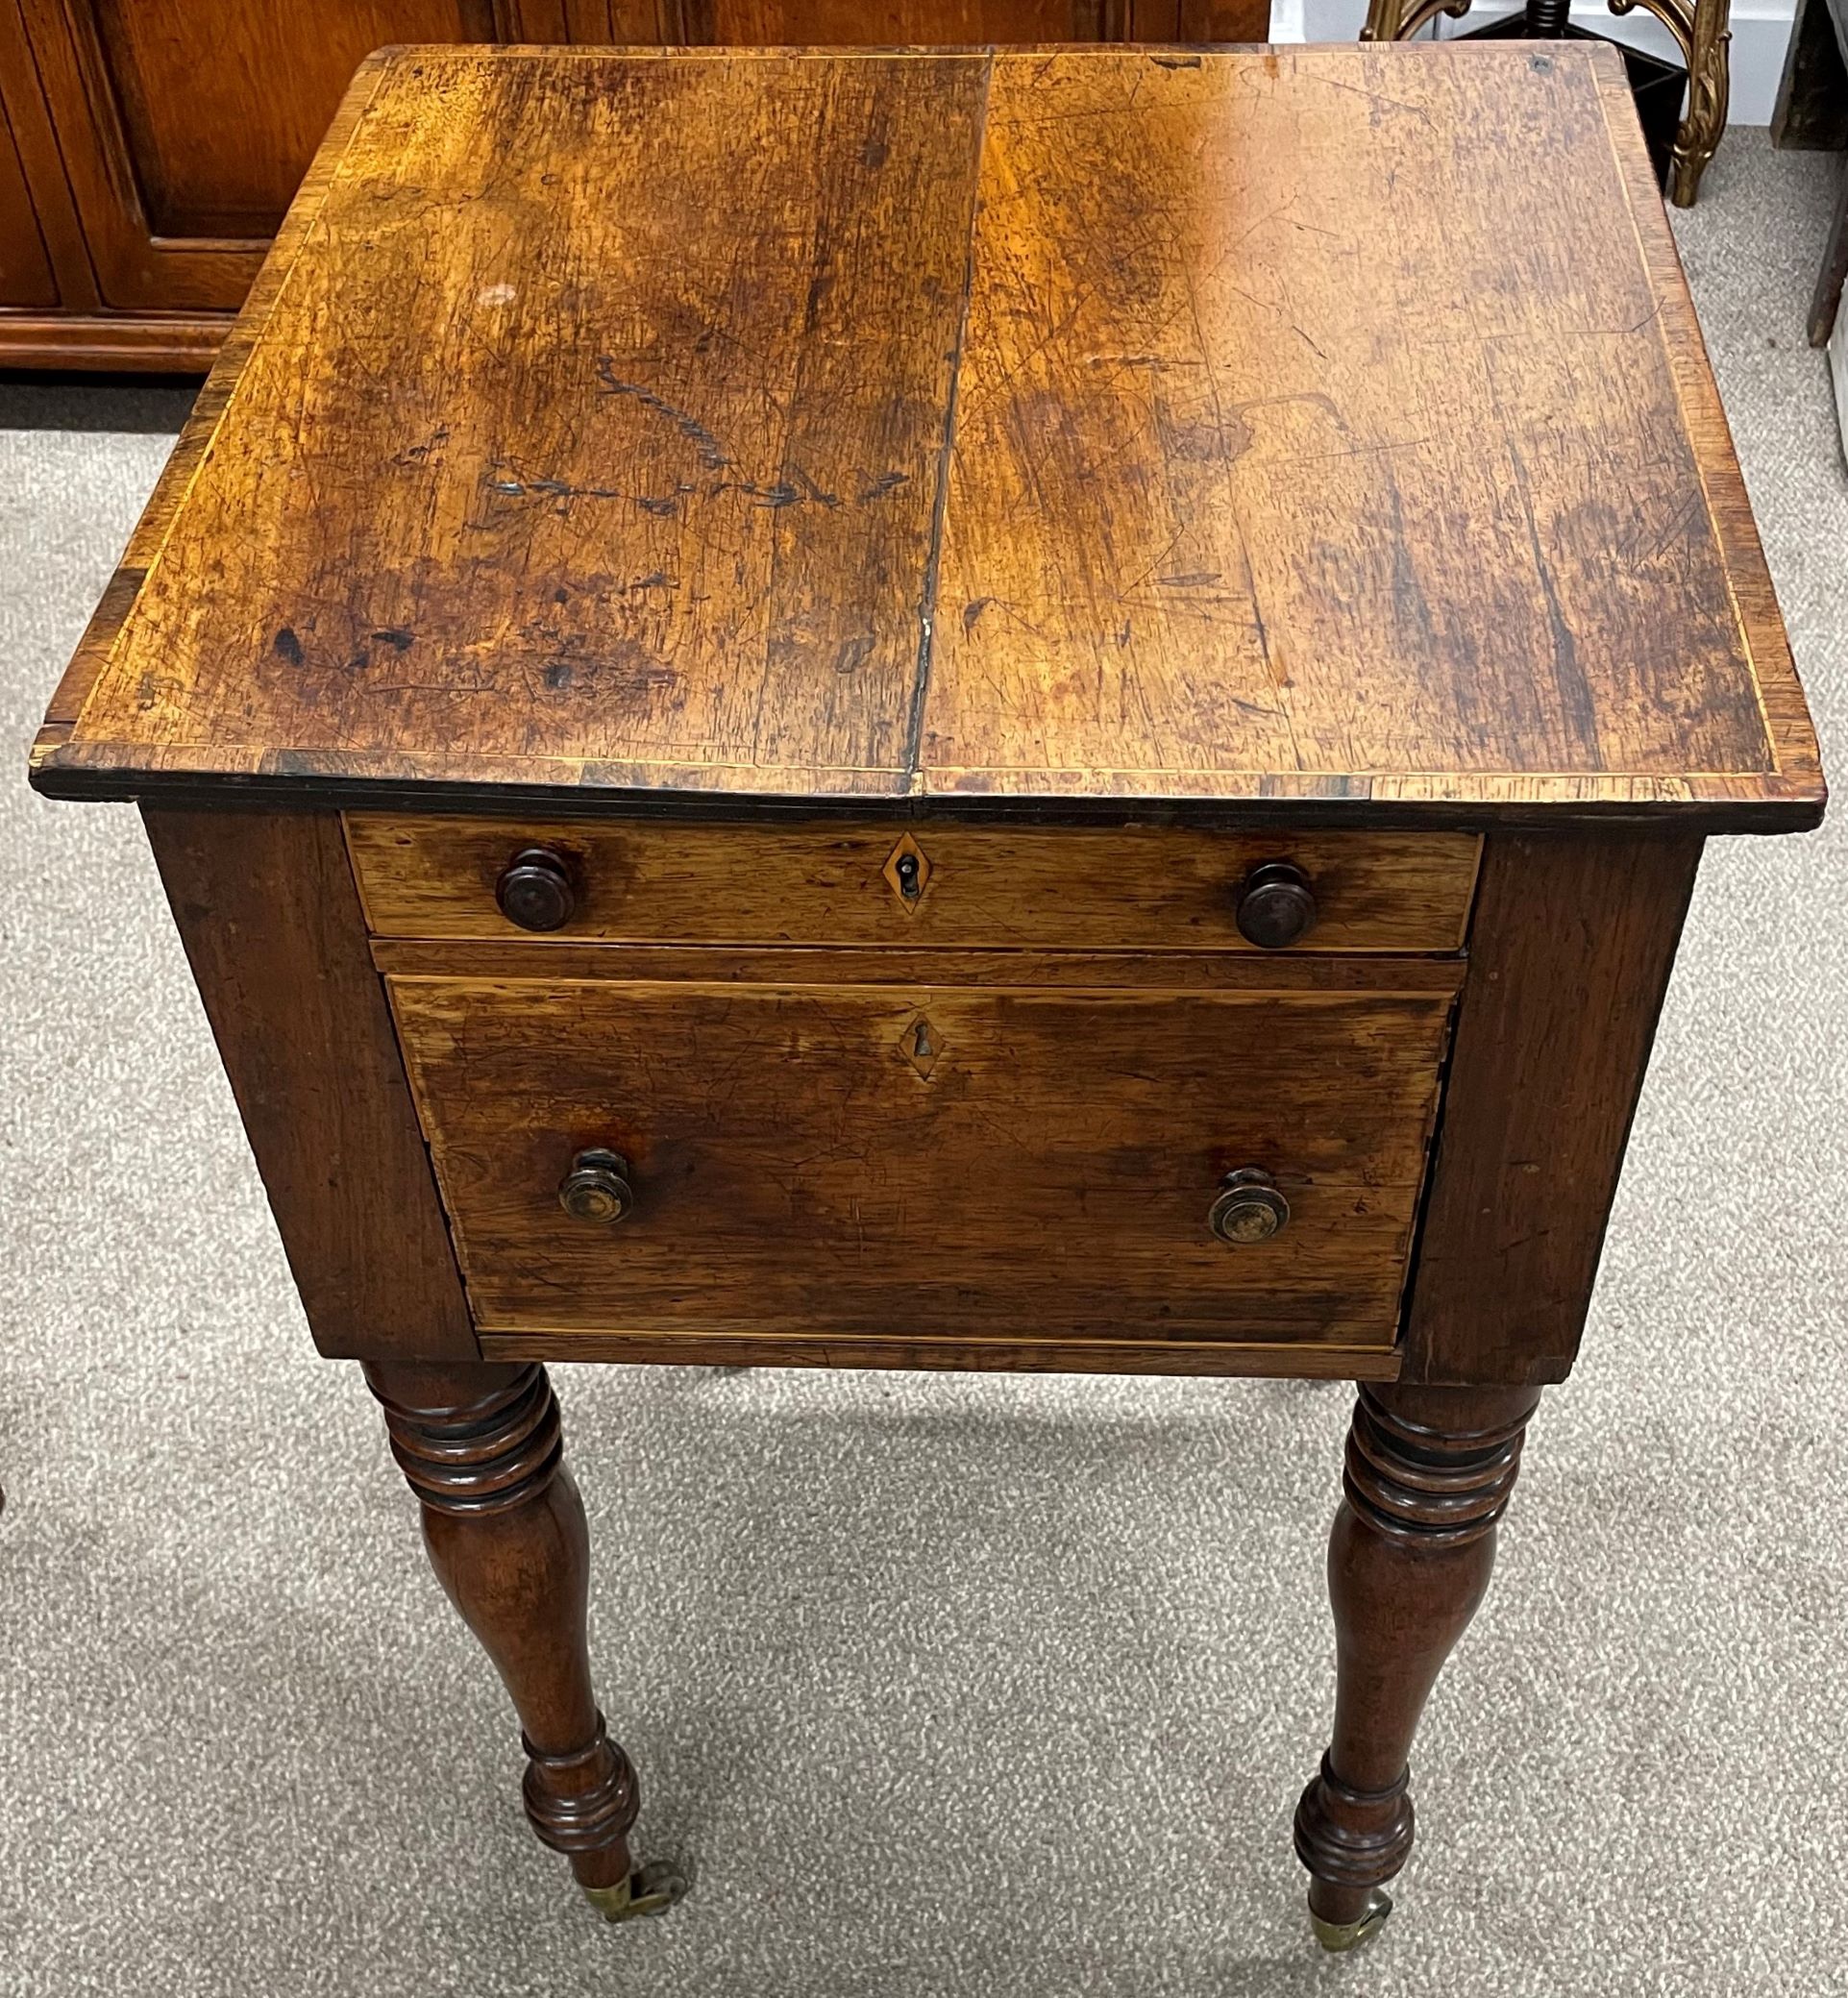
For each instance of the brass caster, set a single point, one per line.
(1336, 1936)
(651, 1889)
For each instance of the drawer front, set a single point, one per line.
(948, 886)
(926, 1161)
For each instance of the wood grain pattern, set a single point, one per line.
(1131, 887)
(105, 626)
(1570, 953)
(898, 23)
(186, 127)
(187, 123)
(925, 23)
(644, 566)
(1260, 490)
(842, 1162)
(169, 79)
(1262, 483)
(26, 275)
(54, 217)
(265, 904)
(1780, 693)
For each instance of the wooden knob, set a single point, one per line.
(597, 1188)
(1276, 906)
(1248, 1208)
(534, 889)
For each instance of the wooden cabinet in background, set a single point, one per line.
(25, 270)
(185, 128)
(148, 148)
(849, 23)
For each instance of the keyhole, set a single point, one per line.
(921, 1047)
(907, 872)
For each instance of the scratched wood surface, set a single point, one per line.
(817, 1161)
(1272, 430)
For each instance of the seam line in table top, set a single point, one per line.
(911, 766)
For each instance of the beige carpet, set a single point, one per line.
(947, 1686)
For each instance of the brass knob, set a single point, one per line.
(1276, 906)
(597, 1188)
(534, 889)
(1248, 1208)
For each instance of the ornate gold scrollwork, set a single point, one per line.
(1385, 24)
(1701, 30)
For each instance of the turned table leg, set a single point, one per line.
(1428, 1474)
(505, 1528)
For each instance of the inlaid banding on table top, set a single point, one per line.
(986, 427)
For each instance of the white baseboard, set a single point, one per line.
(1760, 32)
(1839, 374)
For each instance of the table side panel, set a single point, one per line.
(267, 907)
(1571, 946)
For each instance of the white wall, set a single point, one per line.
(1761, 29)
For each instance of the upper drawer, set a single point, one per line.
(1051, 888)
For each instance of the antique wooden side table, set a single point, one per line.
(951, 710)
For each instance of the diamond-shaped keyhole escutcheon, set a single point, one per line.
(907, 872)
(920, 1044)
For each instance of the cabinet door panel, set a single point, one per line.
(844, 23)
(186, 124)
(221, 108)
(622, 23)
(926, 23)
(1222, 20)
(25, 270)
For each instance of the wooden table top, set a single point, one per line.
(1321, 431)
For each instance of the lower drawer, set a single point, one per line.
(929, 1161)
